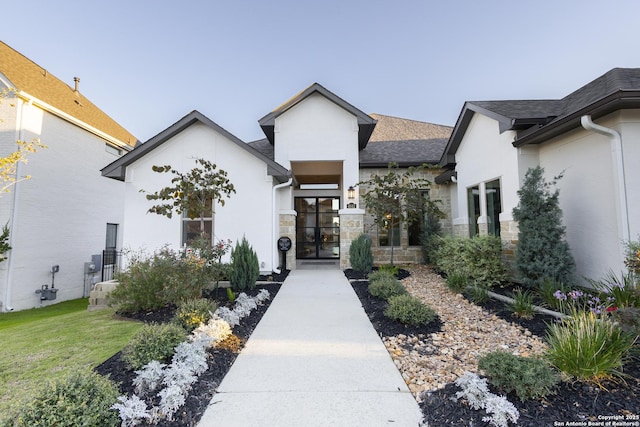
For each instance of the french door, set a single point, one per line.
(317, 227)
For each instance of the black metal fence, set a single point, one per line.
(111, 260)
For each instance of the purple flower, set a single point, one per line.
(559, 295)
(576, 294)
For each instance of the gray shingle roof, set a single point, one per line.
(403, 141)
(538, 120)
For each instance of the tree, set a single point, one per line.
(194, 192)
(9, 164)
(542, 252)
(396, 196)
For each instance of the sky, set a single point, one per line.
(148, 63)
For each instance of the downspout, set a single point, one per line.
(275, 223)
(618, 160)
(14, 216)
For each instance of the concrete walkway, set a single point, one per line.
(313, 360)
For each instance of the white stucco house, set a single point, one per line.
(299, 182)
(590, 135)
(67, 212)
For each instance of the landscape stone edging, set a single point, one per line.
(535, 307)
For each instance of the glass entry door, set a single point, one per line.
(317, 227)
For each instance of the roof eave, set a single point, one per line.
(616, 101)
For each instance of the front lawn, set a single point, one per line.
(43, 344)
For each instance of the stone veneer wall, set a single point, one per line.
(405, 254)
(351, 226)
(288, 229)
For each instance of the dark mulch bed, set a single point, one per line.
(220, 360)
(573, 402)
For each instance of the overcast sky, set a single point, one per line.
(148, 63)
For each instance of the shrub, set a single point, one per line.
(163, 278)
(542, 251)
(152, 342)
(588, 347)
(81, 398)
(386, 287)
(430, 238)
(141, 286)
(360, 254)
(409, 310)
(479, 258)
(245, 268)
(529, 378)
(522, 305)
(457, 282)
(632, 257)
(191, 313)
(389, 268)
(380, 275)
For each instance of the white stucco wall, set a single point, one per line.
(61, 212)
(248, 212)
(316, 129)
(485, 155)
(588, 192)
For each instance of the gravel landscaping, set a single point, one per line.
(432, 358)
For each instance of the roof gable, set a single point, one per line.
(117, 169)
(536, 121)
(366, 124)
(31, 80)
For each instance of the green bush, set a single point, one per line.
(360, 254)
(542, 251)
(380, 275)
(623, 289)
(479, 258)
(192, 312)
(386, 287)
(152, 282)
(409, 310)
(81, 398)
(390, 268)
(588, 347)
(153, 342)
(529, 378)
(245, 268)
(141, 286)
(522, 305)
(457, 282)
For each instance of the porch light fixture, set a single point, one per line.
(351, 195)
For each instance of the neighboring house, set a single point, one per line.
(494, 143)
(67, 212)
(299, 182)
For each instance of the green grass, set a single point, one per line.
(43, 344)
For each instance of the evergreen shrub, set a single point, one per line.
(380, 275)
(386, 287)
(409, 310)
(81, 398)
(245, 268)
(542, 251)
(153, 342)
(528, 377)
(360, 254)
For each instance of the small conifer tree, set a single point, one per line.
(360, 254)
(542, 252)
(245, 268)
